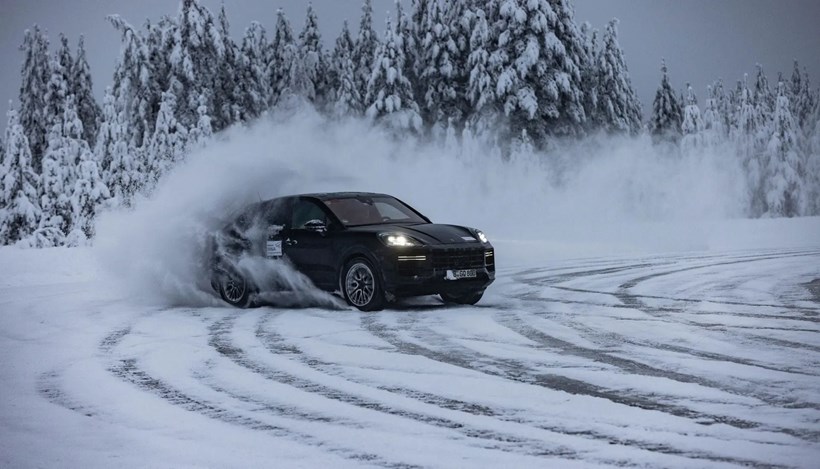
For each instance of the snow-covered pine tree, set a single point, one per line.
(518, 50)
(724, 107)
(198, 51)
(481, 84)
(58, 87)
(667, 115)
(307, 79)
(56, 207)
(538, 84)
(118, 168)
(134, 84)
(733, 112)
(228, 96)
(168, 142)
(802, 99)
(64, 154)
(746, 135)
(159, 40)
(461, 18)
(72, 134)
(813, 165)
(589, 75)
(782, 181)
(66, 60)
(713, 130)
(618, 106)
(389, 91)
(364, 52)
(88, 195)
(55, 191)
(567, 58)
(347, 100)
(18, 194)
(253, 80)
(198, 136)
(281, 57)
(81, 87)
(763, 98)
(414, 29)
(411, 47)
(437, 80)
(693, 126)
(35, 75)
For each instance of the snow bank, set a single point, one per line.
(602, 196)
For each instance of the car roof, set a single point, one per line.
(337, 195)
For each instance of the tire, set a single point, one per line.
(361, 285)
(468, 298)
(234, 289)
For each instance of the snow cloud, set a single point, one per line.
(602, 191)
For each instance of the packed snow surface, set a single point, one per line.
(703, 357)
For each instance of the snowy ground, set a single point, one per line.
(705, 357)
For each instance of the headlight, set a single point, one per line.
(481, 236)
(398, 240)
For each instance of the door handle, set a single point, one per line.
(291, 242)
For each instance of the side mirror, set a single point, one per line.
(316, 225)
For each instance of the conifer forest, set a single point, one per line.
(520, 77)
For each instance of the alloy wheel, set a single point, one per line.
(360, 285)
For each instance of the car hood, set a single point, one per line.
(428, 233)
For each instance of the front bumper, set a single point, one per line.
(430, 270)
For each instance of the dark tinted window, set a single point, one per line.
(305, 211)
(276, 212)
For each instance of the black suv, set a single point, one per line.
(370, 248)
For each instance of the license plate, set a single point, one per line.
(458, 274)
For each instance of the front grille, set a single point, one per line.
(409, 266)
(460, 258)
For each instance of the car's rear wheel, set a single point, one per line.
(362, 286)
(234, 289)
(468, 298)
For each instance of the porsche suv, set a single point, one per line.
(369, 248)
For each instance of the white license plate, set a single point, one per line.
(457, 274)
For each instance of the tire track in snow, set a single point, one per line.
(633, 301)
(127, 369)
(516, 371)
(218, 339)
(516, 324)
(279, 345)
(50, 383)
(49, 386)
(636, 301)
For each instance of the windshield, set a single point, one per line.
(358, 211)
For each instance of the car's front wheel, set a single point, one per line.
(361, 285)
(234, 289)
(468, 298)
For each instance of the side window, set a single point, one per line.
(276, 212)
(305, 211)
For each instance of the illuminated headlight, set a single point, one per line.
(481, 236)
(398, 240)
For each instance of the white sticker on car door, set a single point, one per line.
(273, 249)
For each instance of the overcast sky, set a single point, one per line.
(701, 40)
